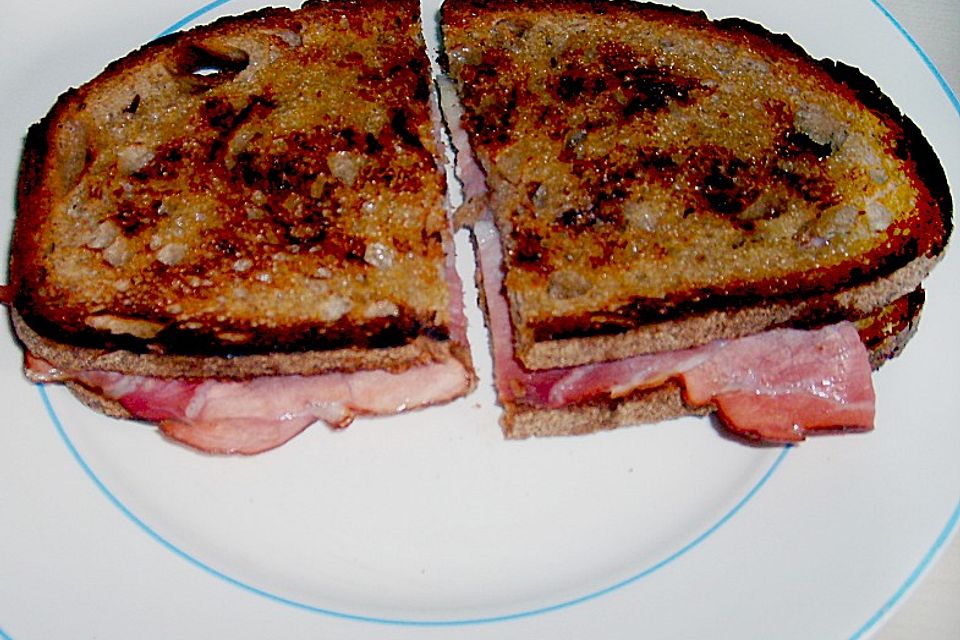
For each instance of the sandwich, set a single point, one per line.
(675, 215)
(241, 229)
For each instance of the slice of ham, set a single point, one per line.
(782, 384)
(252, 416)
(775, 386)
(467, 167)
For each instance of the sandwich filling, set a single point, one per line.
(624, 166)
(238, 230)
(258, 414)
(776, 386)
(252, 416)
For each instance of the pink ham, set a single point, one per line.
(256, 415)
(782, 384)
(252, 416)
(774, 387)
(468, 170)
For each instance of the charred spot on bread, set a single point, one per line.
(200, 66)
(682, 167)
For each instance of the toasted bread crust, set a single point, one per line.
(887, 332)
(72, 358)
(644, 407)
(97, 402)
(264, 185)
(852, 303)
(660, 179)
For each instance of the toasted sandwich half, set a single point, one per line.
(241, 229)
(676, 215)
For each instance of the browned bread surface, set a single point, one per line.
(265, 184)
(650, 169)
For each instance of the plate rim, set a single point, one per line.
(945, 534)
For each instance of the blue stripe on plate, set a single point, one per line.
(954, 518)
(399, 621)
(923, 55)
(918, 571)
(184, 21)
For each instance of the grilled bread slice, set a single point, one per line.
(660, 180)
(259, 196)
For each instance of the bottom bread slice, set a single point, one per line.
(642, 407)
(884, 333)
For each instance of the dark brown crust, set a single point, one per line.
(62, 324)
(71, 358)
(912, 145)
(644, 324)
(886, 333)
(643, 407)
(694, 329)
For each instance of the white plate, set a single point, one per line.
(431, 524)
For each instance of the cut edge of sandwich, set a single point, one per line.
(197, 394)
(885, 306)
(163, 342)
(885, 334)
(721, 315)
